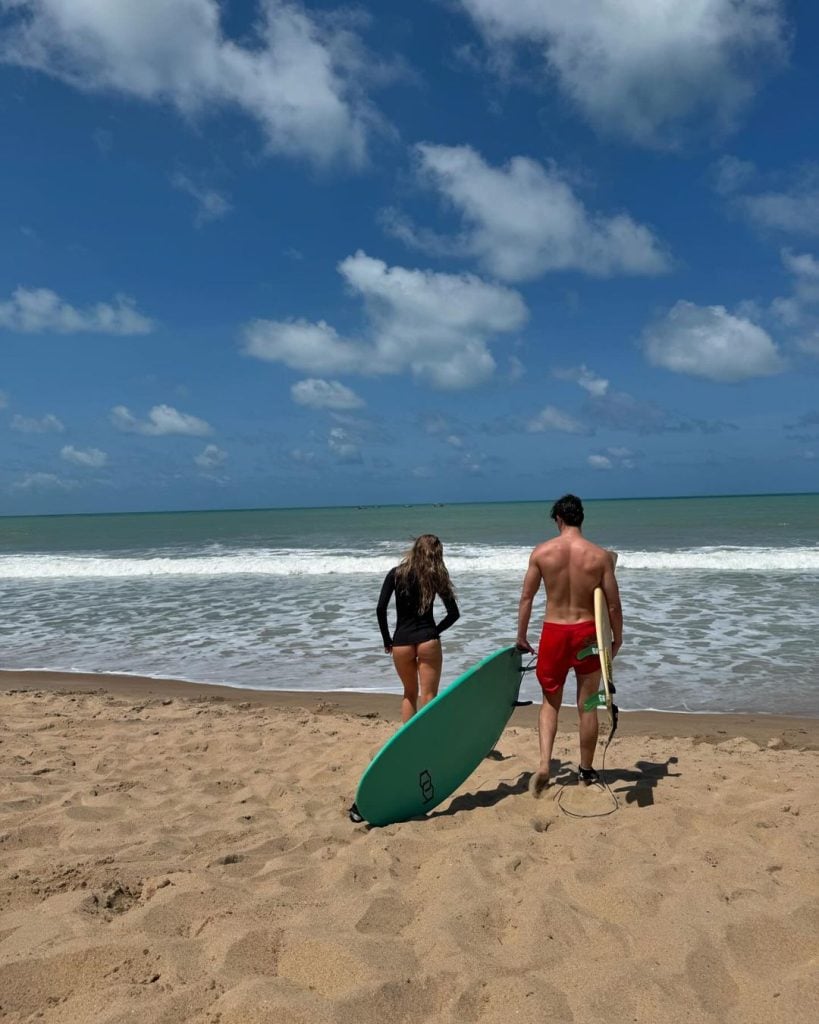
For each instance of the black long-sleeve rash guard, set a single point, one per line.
(412, 626)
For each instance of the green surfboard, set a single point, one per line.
(440, 747)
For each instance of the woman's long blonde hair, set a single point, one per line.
(424, 563)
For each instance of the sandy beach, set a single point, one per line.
(172, 852)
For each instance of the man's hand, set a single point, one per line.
(615, 647)
(523, 645)
(388, 648)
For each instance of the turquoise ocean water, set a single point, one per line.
(720, 594)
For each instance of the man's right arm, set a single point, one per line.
(531, 584)
(612, 592)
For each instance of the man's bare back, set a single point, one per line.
(571, 568)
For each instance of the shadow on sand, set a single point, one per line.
(640, 783)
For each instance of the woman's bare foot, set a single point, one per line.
(538, 782)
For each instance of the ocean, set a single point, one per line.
(720, 595)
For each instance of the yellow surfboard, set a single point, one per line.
(603, 628)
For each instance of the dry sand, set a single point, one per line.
(177, 853)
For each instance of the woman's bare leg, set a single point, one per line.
(406, 665)
(430, 663)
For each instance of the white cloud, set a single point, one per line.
(301, 456)
(516, 370)
(298, 78)
(587, 379)
(211, 457)
(620, 458)
(343, 446)
(434, 325)
(731, 174)
(48, 424)
(710, 342)
(162, 420)
(43, 482)
(805, 269)
(798, 311)
(36, 310)
(645, 69)
(523, 220)
(793, 211)
(211, 205)
(93, 458)
(303, 345)
(455, 441)
(551, 418)
(809, 344)
(324, 394)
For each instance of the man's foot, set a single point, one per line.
(538, 782)
(588, 776)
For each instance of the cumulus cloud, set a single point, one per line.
(551, 418)
(297, 77)
(646, 70)
(587, 379)
(48, 424)
(91, 458)
(710, 342)
(600, 462)
(42, 482)
(523, 220)
(161, 420)
(325, 394)
(436, 326)
(211, 457)
(39, 310)
(211, 205)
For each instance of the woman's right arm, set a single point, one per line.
(387, 589)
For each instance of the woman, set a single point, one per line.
(415, 645)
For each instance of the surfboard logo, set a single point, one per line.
(427, 789)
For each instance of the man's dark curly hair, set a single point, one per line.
(569, 508)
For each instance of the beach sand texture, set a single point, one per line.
(169, 858)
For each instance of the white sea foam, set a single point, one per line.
(461, 560)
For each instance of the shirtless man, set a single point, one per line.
(570, 567)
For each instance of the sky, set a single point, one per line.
(260, 253)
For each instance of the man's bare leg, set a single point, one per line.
(587, 686)
(546, 730)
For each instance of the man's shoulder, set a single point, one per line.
(546, 546)
(597, 552)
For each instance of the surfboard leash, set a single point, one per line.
(601, 783)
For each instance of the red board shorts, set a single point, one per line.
(563, 646)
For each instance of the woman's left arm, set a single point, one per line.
(452, 613)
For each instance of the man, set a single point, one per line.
(570, 567)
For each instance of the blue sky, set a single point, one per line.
(262, 253)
